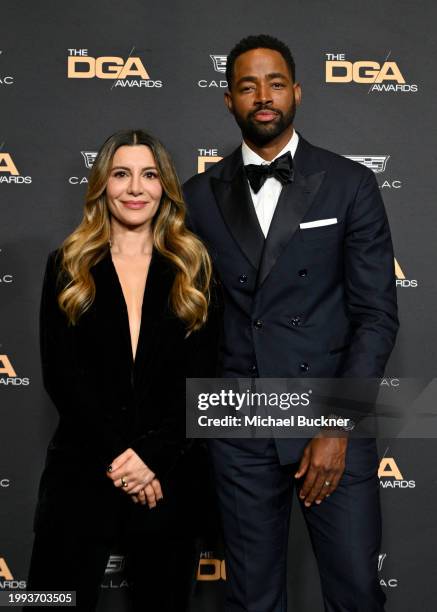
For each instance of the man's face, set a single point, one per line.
(262, 96)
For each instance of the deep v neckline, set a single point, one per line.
(133, 357)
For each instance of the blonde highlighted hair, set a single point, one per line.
(89, 242)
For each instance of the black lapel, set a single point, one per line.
(235, 202)
(155, 307)
(109, 294)
(295, 200)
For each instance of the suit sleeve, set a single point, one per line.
(73, 394)
(162, 448)
(369, 283)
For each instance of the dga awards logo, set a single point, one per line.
(378, 76)
(384, 581)
(378, 165)
(123, 72)
(5, 279)
(210, 568)
(5, 79)
(8, 375)
(88, 159)
(9, 172)
(205, 158)
(114, 573)
(390, 475)
(401, 280)
(219, 65)
(7, 579)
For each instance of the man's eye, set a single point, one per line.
(247, 88)
(277, 85)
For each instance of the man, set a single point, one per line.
(301, 243)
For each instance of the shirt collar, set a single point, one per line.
(250, 157)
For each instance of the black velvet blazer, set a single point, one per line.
(106, 401)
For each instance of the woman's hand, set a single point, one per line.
(150, 495)
(129, 472)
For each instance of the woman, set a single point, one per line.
(125, 318)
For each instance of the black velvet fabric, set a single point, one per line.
(108, 403)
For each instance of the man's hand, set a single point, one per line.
(323, 462)
(129, 472)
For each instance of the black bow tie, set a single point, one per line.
(281, 169)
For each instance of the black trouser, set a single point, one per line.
(255, 495)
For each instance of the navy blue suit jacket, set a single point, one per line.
(316, 302)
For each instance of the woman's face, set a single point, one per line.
(134, 189)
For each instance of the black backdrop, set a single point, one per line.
(51, 123)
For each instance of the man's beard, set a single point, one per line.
(263, 133)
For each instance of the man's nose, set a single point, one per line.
(263, 94)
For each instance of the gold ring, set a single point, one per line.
(123, 482)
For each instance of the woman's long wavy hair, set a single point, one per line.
(89, 242)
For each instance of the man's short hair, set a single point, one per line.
(261, 41)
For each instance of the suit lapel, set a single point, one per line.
(155, 307)
(235, 203)
(112, 307)
(294, 202)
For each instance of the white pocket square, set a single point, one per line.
(319, 223)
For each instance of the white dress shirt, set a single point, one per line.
(266, 199)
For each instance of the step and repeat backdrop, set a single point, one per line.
(73, 73)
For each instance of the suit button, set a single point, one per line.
(303, 273)
(295, 321)
(123, 408)
(258, 324)
(304, 367)
(253, 369)
(242, 278)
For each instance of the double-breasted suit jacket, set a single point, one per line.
(107, 402)
(315, 301)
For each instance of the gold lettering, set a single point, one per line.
(7, 366)
(388, 468)
(5, 572)
(107, 67)
(398, 271)
(345, 78)
(365, 72)
(202, 161)
(390, 72)
(134, 67)
(72, 73)
(7, 165)
(113, 69)
(211, 563)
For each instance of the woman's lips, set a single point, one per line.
(135, 204)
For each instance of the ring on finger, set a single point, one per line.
(327, 483)
(123, 481)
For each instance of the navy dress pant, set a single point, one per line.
(255, 494)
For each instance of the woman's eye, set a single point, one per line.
(151, 175)
(120, 173)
